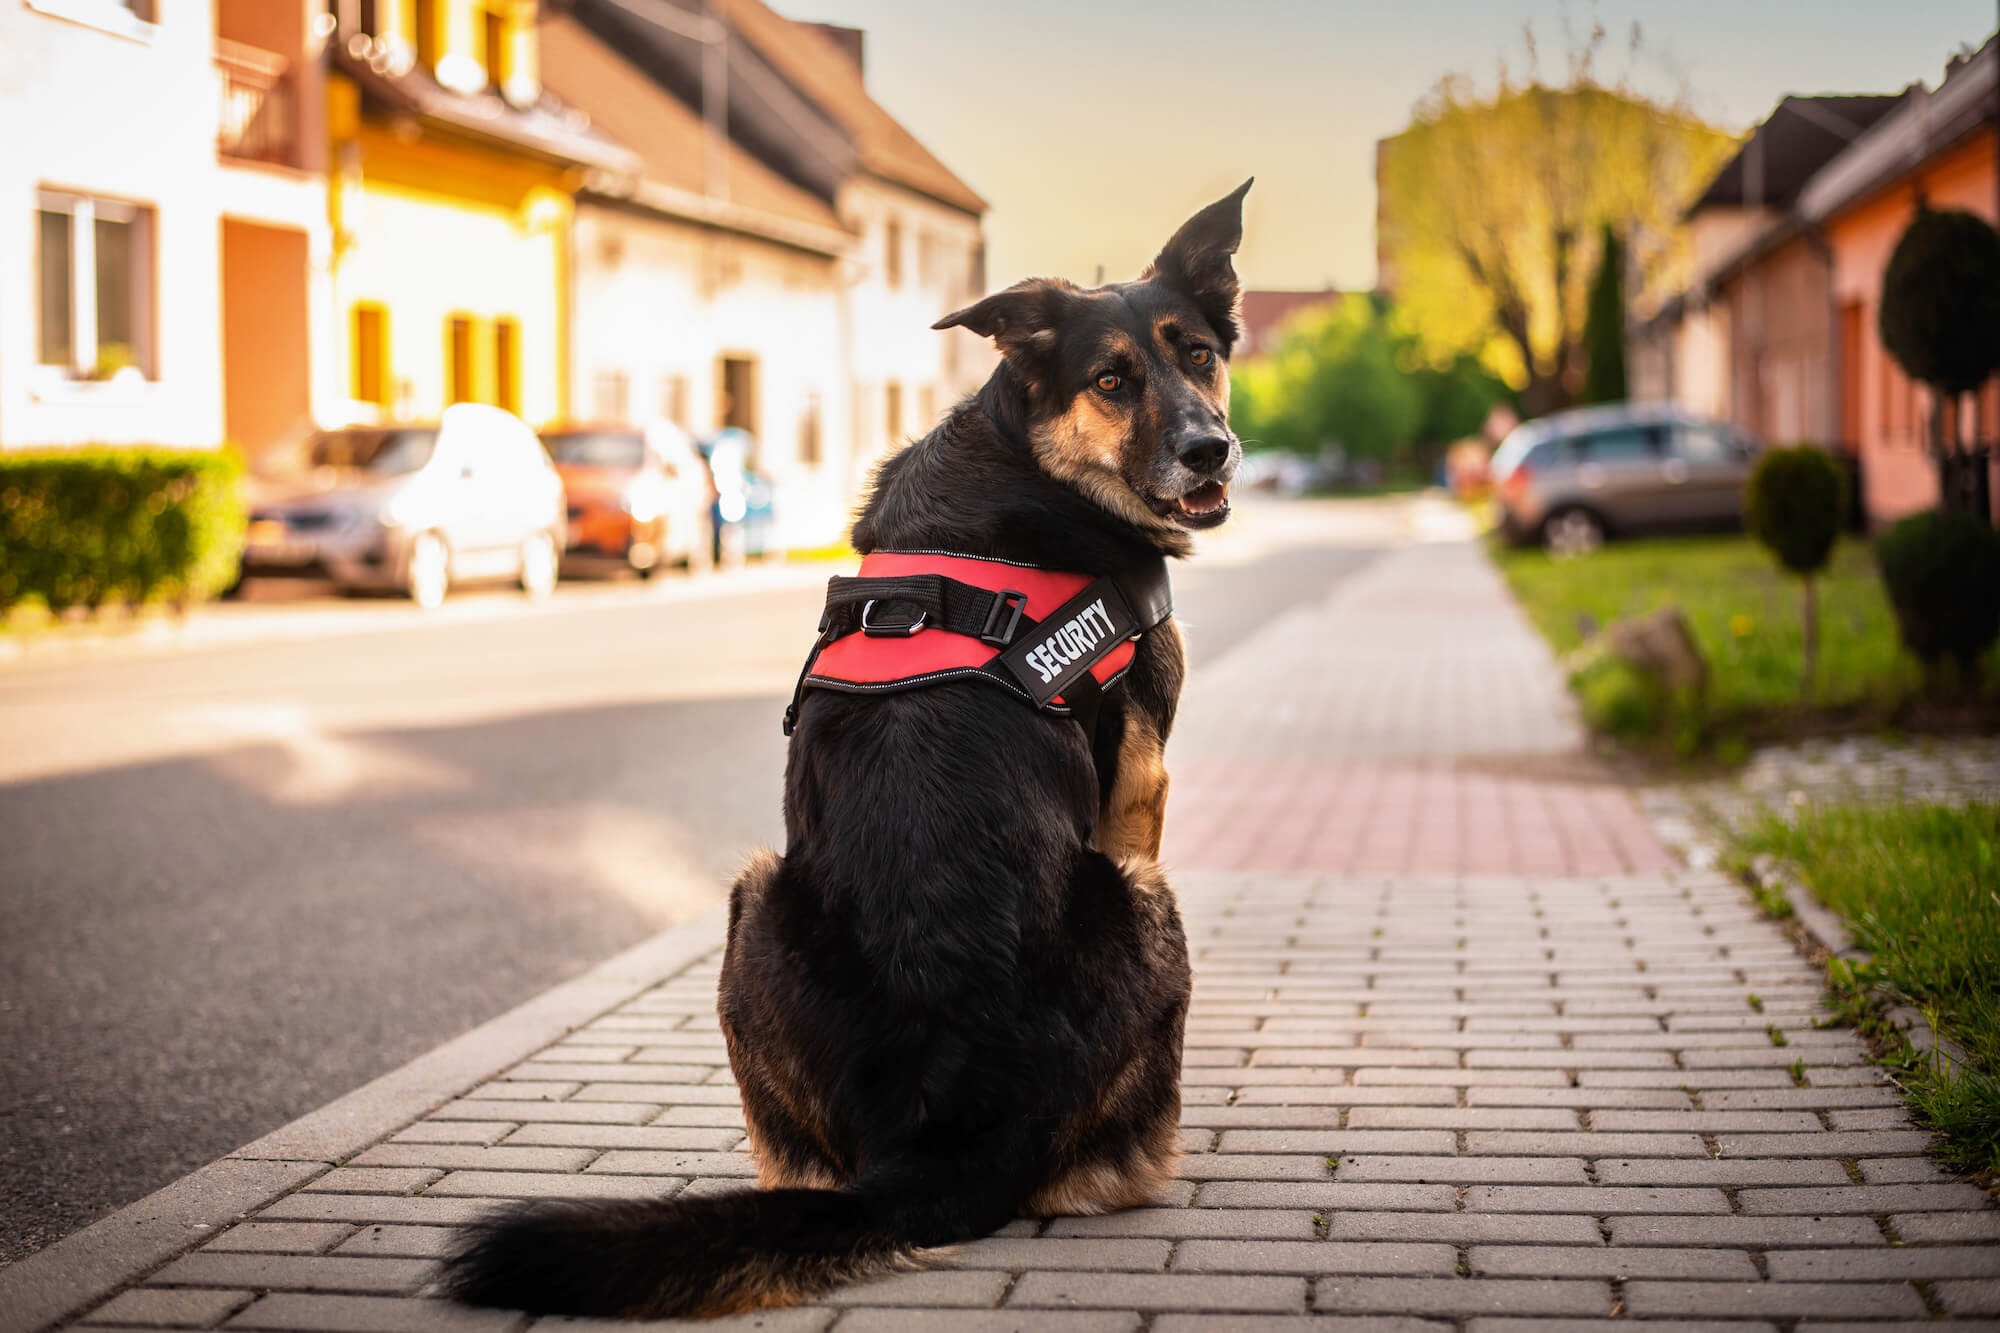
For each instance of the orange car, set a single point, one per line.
(637, 495)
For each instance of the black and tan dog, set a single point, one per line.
(959, 994)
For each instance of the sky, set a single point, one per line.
(1093, 128)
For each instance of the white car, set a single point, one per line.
(417, 508)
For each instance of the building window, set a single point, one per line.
(95, 271)
(507, 364)
(458, 360)
(809, 430)
(738, 405)
(609, 391)
(674, 399)
(892, 253)
(892, 412)
(371, 354)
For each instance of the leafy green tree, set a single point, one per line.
(1604, 325)
(1492, 205)
(1335, 378)
(1793, 505)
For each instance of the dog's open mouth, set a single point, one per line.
(1203, 507)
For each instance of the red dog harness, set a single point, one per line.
(1055, 640)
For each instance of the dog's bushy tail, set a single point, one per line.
(713, 1255)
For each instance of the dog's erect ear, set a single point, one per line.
(1021, 321)
(1196, 262)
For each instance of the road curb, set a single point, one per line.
(114, 1252)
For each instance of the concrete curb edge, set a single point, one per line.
(82, 1269)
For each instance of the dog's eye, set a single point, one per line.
(1200, 356)
(1109, 383)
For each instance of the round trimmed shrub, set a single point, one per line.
(1942, 570)
(1940, 312)
(1794, 504)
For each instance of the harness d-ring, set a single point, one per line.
(891, 631)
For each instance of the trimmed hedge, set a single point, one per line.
(1795, 504)
(84, 527)
(1942, 570)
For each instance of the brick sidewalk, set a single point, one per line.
(1538, 1080)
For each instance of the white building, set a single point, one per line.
(157, 153)
(779, 263)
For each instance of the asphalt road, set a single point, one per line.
(242, 880)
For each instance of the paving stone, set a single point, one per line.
(1732, 1300)
(1863, 1199)
(481, 1132)
(1174, 1223)
(294, 1312)
(281, 1237)
(1769, 1233)
(1598, 1200)
(1903, 1171)
(1323, 1142)
(1461, 1117)
(285, 1272)
(1826, 1143)
(942, 1288)
(1589, 1099)
(374, 1180)
(1165, 1291)
(1706, 1122)
(425, 1209)
(1139, 1256)
(1586, 1144)
(1324, 1194)
(579, 1112)
(536, 1185)
(467, 1156)
(1312, 1257)
(1947, 1228)
(1757, 1099)
(1253, 1166)
(1615, 1262)
(1920, 1263)
(1466, 1170)
(1979, 1297)
(1277, 1323)
(1460, 1297)
(1619, 1326)
(1465, 1228)
(986, 1321)
(1728, 1174)
(397, 1242)
(646, 1162)
(171, 1309)
(522, 1090)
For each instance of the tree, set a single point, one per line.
(1793, 505)
(1491, 209)
(1940, 315)
(1604, 324)
(1334, 378)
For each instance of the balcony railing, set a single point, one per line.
(258, 118)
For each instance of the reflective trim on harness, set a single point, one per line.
(914, 618)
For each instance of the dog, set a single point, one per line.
(959, 995)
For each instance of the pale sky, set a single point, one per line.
(1093, 128)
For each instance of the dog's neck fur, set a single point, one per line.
(973, 486)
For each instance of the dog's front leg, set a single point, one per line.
(1135, 814)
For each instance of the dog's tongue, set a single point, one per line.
(1205, 499)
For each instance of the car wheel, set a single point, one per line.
(538, 566)
(1571, 532)
(429, 577)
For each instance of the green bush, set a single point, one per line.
(85, 527)
(1794, 504)
(1942, 570)
(1940, 312)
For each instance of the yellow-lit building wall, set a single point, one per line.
(430, 231)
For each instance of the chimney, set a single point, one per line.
(850, 41)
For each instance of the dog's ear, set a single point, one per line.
(1021, 321)
(1196, 262)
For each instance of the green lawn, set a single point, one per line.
(1917, 886)
(1745, 614)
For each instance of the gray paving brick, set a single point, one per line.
(1903, 1171)
(455, 1131)
(679, 1094)
(1733, 1173)
(1346, 1094)
(1461, 1297)
(1463, 1078)
(1164, 1291)
(522, 1090)
(1620, 1326)
(171, 1309)
(1586, 1098)
(946, 1287)
(1597, 1200)
(1885, 1117)
(281, 1237)
(1733, 1300)
(1905, 1262)
(460, 1156)
(987, 1321)
(657, 1138)
(1278, 1323)
(1758, 1099)
(1585, 1144)
(1976, 1297)
(587, 1072)
(1324, 1194)
(293, 1312)
(397, 1242)
(1466, 1228)
(1946, 1228)
(1707, 1122)
(536, 1185)
(286, 1272)
(579, 1112)
(646, 1162)
(1616, 1262)
(374, 1180)
(1461, 1117)
(1863, 1199)
(1746, 1232)
(1324, 1141)
(1825, 1143)
(1312, 1257)
(1126, 1255)
(1253, 1166)
(1466, 1170)
(420, 1210)
(1174, 1223)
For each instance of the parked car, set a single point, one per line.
(416, 508)
(638, 496)
(1571, 479)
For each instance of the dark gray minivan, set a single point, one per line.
(1571, 479)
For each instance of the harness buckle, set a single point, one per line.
(890, 631)
(1003, 602)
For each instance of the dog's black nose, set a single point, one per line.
(1206, 453)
